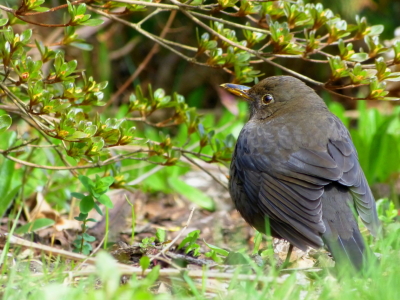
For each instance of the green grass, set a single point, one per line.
(380, 281)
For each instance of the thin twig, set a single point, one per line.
(166, 273)
(342, 95)
(125, 269)
(150, 15)
(206, 171)
(149, 35)
(20, 145)
(22, 107)
(231, 23)
(158, 168)
(150, 4)
(7, 9)
(342, 87)
(60, 154)
(146, 60)
(169, 261)
(16, 241)
(54, 8)
(145, 175)
(88, 166)
(42, 24)
(253, 52)
(176, 238)
(247, 16)
(91, 254)
(177, 5)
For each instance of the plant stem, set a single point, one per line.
(107, 229)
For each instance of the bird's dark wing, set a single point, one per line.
(345, 155)
(288, 185)
(339, 163)
(247, 192)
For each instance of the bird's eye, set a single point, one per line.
(267, 99)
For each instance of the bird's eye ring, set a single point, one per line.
(267, 99)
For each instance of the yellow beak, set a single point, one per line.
(238, 90)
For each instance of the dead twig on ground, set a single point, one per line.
(176, 238)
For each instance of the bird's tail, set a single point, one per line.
(342, 235)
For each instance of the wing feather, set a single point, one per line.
(289, 192)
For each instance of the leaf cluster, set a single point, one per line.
(96, 195)
(63, 107)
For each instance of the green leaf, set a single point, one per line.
(99, 190)
(90, 130)
(194, 248)
(396, 48)
(152, 277)
(257, 242)
(161, 235)
(92, 22)
(384, 158)
(6, 175)
(213, 255)
(81, 9)
(236, 258)
(79, 196)
(81, 217)
(82, 46)
(389, 99)
(386, 209)
(77, 135)
(359, 57)
(86, 249)
(338, 67)
(88, 238)
(5, 123)
(26, 35)
(105, 200)
(97, 208)
(107, 181)
(192, 194)
(86, 204)
(87, 182)
(144, 263)
(7, 200)
(41, 9)
(376, 30)
(110, 276)
(217, 249)
(3, 22)
(34, 225)
(71, 9)
(190, 239)
(71, 65)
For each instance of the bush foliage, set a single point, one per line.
(64, 128)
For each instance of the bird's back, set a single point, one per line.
(300, 169)
(295, 168)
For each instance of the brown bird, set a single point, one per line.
(295, 171)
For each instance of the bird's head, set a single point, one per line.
(274, 93)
